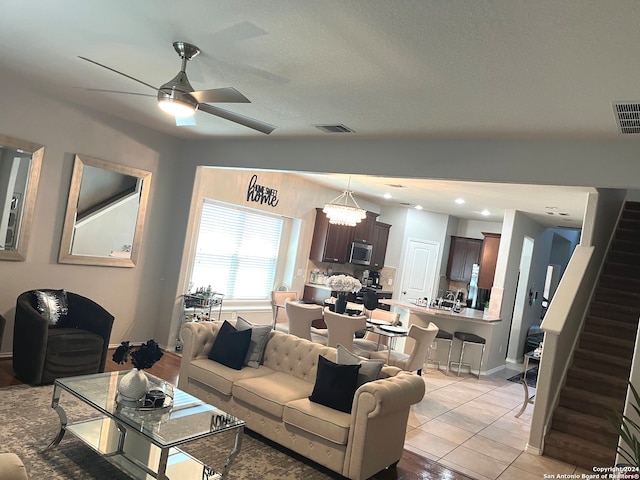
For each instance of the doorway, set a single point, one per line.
(515, 333)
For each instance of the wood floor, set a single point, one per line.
(410, 467)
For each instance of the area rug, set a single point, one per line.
(531, 377)
(28, 424)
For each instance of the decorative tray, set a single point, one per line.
(393, 328)
(140, 406)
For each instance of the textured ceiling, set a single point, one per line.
(384, 68)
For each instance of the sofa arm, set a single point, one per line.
(379, 421)
(197, 340)
(11, 467)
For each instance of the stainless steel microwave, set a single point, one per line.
(360, 253)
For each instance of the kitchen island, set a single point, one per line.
(468, 320)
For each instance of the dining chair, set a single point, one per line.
(280, 319)
(373, 341)
(414, 361)
(300, 317)
(342, 328)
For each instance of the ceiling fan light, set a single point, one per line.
(176, 107)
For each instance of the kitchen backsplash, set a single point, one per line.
(325, 270)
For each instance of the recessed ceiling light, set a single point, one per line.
(485, 212)
(387, 195)
(460, 201)
(418, 207)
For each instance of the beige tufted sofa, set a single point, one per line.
(273, 400)
(11, 467)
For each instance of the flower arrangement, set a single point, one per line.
(143, 357)
(343, 283)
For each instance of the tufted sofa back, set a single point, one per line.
(295, 356)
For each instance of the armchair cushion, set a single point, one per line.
(335, 385)
(52, 305)
(230, 346)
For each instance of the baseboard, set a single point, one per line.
(533, 450)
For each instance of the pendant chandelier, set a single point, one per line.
(340, 212)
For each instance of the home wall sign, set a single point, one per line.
(261, 194)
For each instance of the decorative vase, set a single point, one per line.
(341, 303)
(134, 385)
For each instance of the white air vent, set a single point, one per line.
(628, 116)
(334, 129)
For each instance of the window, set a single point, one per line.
(237, 252)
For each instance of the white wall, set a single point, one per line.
(132, 295)
(474, 228)
(516, 227)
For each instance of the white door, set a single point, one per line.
(419, 271)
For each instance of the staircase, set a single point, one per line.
(581, 431)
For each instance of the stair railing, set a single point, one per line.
(565, 316)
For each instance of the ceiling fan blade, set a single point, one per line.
(220, 95)
(119, 73)
(119, 91)
(186, 121)
(237, 118)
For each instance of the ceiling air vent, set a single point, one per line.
(628, 117)
(334, 129)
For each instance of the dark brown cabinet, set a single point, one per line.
(330, 243)
(488, 259)
(379, 241)
(464, 252)
(315, 295)
(364, 231)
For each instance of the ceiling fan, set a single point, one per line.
(178, 98)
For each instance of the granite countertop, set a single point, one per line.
(470, 314)
(318, 285)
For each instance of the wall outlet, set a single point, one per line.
(389, 282)
(300, 272)
(500, 349)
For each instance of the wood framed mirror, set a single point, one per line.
(20, 165)
(105, 214)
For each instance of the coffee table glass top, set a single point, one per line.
(187, 419)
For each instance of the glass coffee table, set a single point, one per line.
(142, 442)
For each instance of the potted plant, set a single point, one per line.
(628, 429)
(135, 384)
(342, 284)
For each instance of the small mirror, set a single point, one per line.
(20, 164)
(105, 214)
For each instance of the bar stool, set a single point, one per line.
(472, 339)
(446, 337)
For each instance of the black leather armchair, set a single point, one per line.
(44, 352)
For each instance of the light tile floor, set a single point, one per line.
(469, 425)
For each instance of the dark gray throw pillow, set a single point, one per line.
(259, 337)
(230, 346)
(335, 385)
(52, 305)
(369, 369)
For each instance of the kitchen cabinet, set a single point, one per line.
(488, 259)
(316, 295)
(379, 242)
(364, 231)
(464, 252)
(330, 243)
